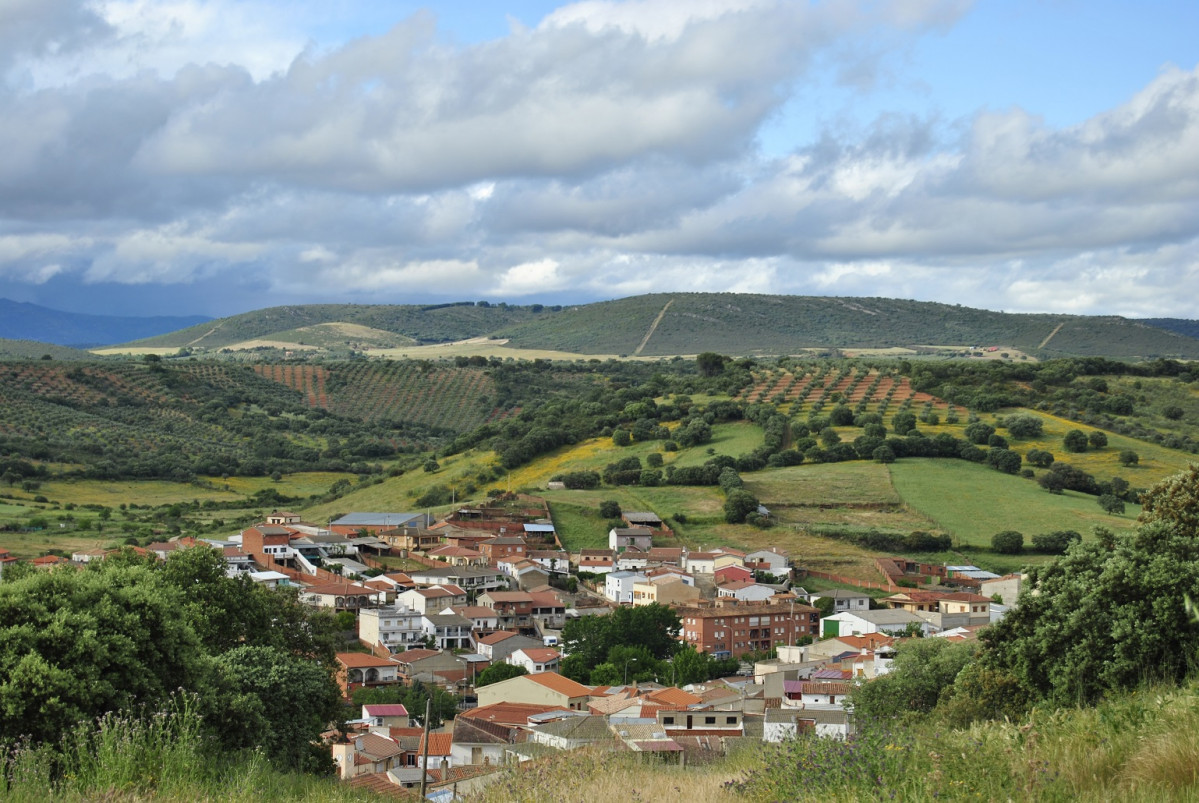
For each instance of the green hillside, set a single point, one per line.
(430, 323)
(37, 350)
(685, 323)
(688, 323)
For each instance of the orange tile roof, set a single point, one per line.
(562, 685)
(357, 660)
(674, 696)
(439, 744)
(510, 713)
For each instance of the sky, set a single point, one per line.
(218, 156)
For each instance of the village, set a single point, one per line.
(488, 586)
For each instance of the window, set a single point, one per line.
(709, 720)
(730, 720)
(667, 720)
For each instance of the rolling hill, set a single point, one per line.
(689, 323)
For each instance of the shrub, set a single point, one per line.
(1129, 458)
(1097, 439)
(1056, 542)
(1008, 542)
(1075, 441)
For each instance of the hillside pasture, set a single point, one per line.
(972, 502)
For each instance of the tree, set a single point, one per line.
(1008, 542)
(497, 672)
(1056, 542)
(710, 363)
(1097, 439)
(1075, 441)
(1173, 412)
(739, 504)
(922, 670)
(622, 437)
(1111, 504)
(431, 466)
(276, 701)
(1108, 615)
(1004, 460)
(1174, 501)
(609, 509)
(978, 432)
(1039, 458)
(1128, 457)
(588, 640)
(883, 454)
(1024, 427)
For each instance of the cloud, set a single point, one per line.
(610, 149)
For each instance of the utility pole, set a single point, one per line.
(424, 773)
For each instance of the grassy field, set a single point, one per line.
(972, 502)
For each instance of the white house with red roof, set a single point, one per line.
(536, 659)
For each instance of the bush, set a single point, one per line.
(738, 505)
(1024, 427)
(1097, 439)
(653, 460)
(1056, 542)
(1075, 441)
(1129, 458)
(609, 509)
(1008, 542)
(1039, 458)
(1111, 504)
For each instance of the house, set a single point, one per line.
(772, 560)
(631, 560)
(535, 659)
(706, 721)
(355, 523)
(572, 732)
(364, 669)
(815, 693)
(341, 596)
(549, 612)
(525, 572)
(733, 574)
(270, 540)
(386, 715)
(844, 600)
(666, 556)
(497, 646)
(472, 579)
(782, 724)
(411, 539)
(700, 562)
(448, 630)
(396, 628)
(1007, 587)
(458, 556)
(746, 591)
(514, 608)
(269, 579)
(664, 590)
(367, 754)
(539, 531)
(482, 619)
(546, 688)
(555, 561)
(597, 561)
(618, 586)
(730, 628)
(430, 666)
(434, 598)
(479, 742)
(437, 753)
(622, 538)
(861, 623)
(503, 546)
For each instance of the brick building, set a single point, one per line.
(730, 629)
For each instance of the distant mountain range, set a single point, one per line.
(22, 321)
(663, 324)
